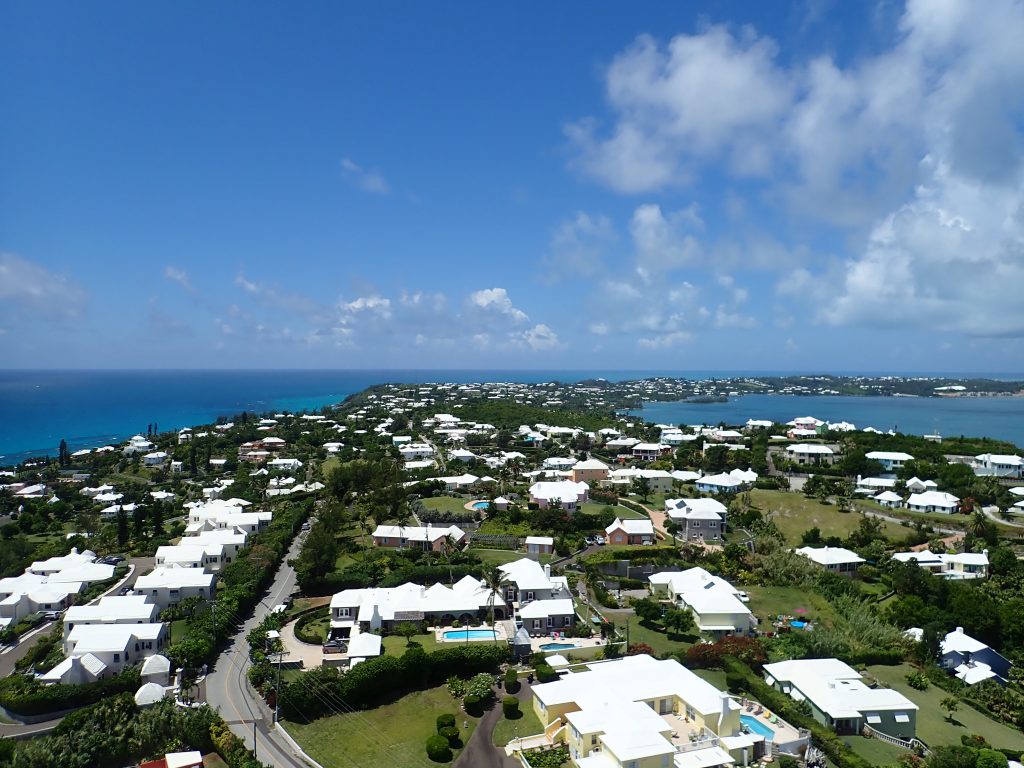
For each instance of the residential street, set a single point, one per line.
(227, 688)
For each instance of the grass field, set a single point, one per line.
(793, 513)
(446, 504)
(656, 638)
(592, 508)
(875, 751)
(393, 734)
(502, 556)
(932, 725)
(177, 630)
(768, 602)
(396, 645)
(505, 730)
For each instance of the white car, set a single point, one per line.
(743, 596)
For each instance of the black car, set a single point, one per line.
(113, 559)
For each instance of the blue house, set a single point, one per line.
(971, 660)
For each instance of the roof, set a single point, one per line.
(537, 609)
(888, 456)
(633, 527)
(590, 464)
(722, 480)
(163, 576)
(526, 574)
(364, 644)
(156, 665)
(183, 759)
(149, 693)
(564, 490)
(417, 532)
(548, 540)
(835, 688)
(887, 496)
(933, 499)
(113, 608)
(959, 642)
(105, 638)
(830, 555)
(809, 448)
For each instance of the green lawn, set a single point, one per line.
(592, 508)
(446, 504)
(396, 645)
(714, 676)
(768, 602)
(502, 556)
(393, 734)
(793, 513)
(875, 751)
(657, 639)
(527, 725)
(932, 726)
(178, 628)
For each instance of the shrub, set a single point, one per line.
(553, 758)
(545, 673)
(640, 649)
(447, 720)
(918, 681)
(481, 686)
(451, 733)
(456, 686)
(735, 682)
(511, 680)
(472, 704)
(990, 758)
(510, 707)
(438, 749)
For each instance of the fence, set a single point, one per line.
(910, 744)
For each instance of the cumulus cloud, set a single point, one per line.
(665, 341)
(29, 288)
(362, 178)
(497, 301)
(539, 337)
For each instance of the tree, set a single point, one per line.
(62, 453)
(158, 519)
(951, 705)
(647, 610)
(318, 556)
(493, 577)
(679, 621)
(408, 630)
(642, 487)
(122, 527)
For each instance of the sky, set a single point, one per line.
(720, 185)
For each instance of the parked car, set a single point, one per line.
(743, 596)
(589, 541)
(112, 559)
(125, 591)
(600, 541)
(333, 646)
(51, 615)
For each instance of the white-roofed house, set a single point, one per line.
(116, 645)
(113, 609)
(971, 660)
(833, 559)
(426, 537)
(208, 557)
(540, 545)
(589, 471)
(719, 484)
(933, 501)
(525, 580)
(714, 602)
(889, 499)
(168, 586)
(566, 492)
(840, 699)
(639, 712)
(698, 519)
(542, 616)
(890, 460)
(999, 465)
(958, 566)
(810, 454)
(650, 451)
(630, 531)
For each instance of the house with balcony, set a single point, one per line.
(567, 493)
(891, 461)
(998, 465)
(810, 454)
(650, 451)
(96, 651)
(958, 565)
(525, 580)
(933, 501)
(840, 699)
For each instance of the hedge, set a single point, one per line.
(24, 695)
(447, 720)
(385, 678)
(438, 749)
(510, 707)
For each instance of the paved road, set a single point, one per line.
(991, 514)
(227, 688)
(480, 751)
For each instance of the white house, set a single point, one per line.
(559, 462)
(810, 453)
(116, 646)
(714, 602)
(525, 580)
(890, 460)
(568, 493)
(888, 499)
(539, 617)
(630, 531)
(540, 545)
(230, 539)
(719, 484)
(961, 565)
(650, 451)
(167, 586)
(839, 698)
(207, 557)
(917, 485)
(933, 501)
(418, 537)
(834, 559)
(999, 465)
(127, 609)
(289, 465)
(156, 458)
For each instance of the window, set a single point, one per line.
(902, 717)
(872, 718)
(117, 657)
(695, 524)
(567, 621)
(629, 764)
(551, 621)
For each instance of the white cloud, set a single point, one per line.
(497, 300)
(662, 243)
(727, 318)
(539, 337)
(578, 246)
(665, 341)
(29, 288)
(365, 179)
(598, 329)
(375, 305)
(178, 276)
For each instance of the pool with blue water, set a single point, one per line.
(469, 634)
(756, 725)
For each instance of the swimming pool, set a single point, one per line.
(798, 624)
(756, 725)
(481, 504)
(557, 646)
(469, 634)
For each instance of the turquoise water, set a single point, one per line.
(469, 634)
(798, 624)
(756, 725)
(481, 504)
(557, 646)
(999, 417)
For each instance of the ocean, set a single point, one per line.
(999, 417)
(93, 408)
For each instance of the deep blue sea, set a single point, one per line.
(999, 417)
(92, 408)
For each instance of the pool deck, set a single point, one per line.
(568, 642)
(784, 732)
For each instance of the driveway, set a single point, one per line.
(480, 752)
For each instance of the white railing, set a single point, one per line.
(910, 744)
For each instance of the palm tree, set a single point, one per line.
(448, 549)
(978, 525)
(493, 577)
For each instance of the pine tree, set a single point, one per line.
(62, 453)
(158, 519)
(122, 527)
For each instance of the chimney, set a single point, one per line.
(960, 630)
(984, 552)
(547, 571)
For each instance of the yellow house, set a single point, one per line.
(639, 712)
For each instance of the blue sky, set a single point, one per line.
(818, 185)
